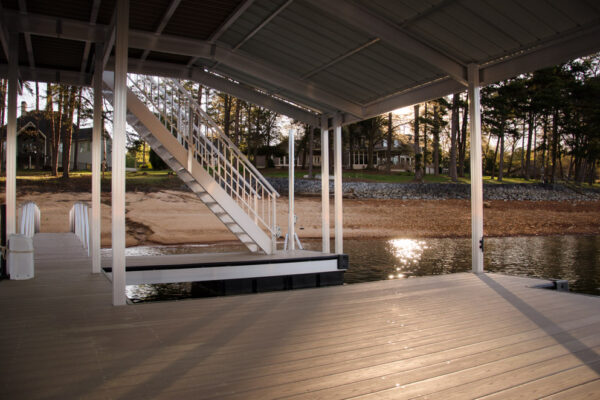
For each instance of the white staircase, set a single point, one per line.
(169, 119)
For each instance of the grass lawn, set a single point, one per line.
(164, 179)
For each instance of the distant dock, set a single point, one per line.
(450, 336)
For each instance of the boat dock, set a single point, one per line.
(452, 336)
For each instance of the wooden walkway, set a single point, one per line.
(445, 337)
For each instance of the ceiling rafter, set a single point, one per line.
(27, 36)
(3, 33)
(255, 30)
(230, 20)
(50, 75)
(262, 24)
(61, 28)
(109, 38)
(358, 17)
(162, 25)
(86, 49)
(340, 58)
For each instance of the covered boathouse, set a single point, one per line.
(327, 64)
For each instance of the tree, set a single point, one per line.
(3, 91)
(70, 100)
(56, 122)
(390, 141)
(453, 137)
(417, 146)
(462, 142)
(78, 126)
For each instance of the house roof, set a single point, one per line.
(39, 119)
(307, 58)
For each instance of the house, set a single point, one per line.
(82, 146)
(34, 142)
(357, 157)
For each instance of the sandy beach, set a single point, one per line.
(177, 217)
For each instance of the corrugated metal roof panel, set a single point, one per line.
(73, 9)
(524, 18)
(383, 71)
(343, 86)
(253, 17)
(198, 20)
(508, 26)
(105, 13)
(301, 39)
(580, 12)
(145, 15)
(403, 12)
(57, 53)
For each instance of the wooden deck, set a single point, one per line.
(445, 337)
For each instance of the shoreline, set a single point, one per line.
(365, 238)
(176, 217)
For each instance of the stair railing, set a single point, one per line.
(180, 113)
(30, 219)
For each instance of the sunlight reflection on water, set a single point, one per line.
(408, 252)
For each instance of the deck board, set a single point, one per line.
(451, 336)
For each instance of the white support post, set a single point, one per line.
(118, 154)
(96, 162)
(476, 170)
(291, 230)
(11, 135)
(325, 185)
(337, 151)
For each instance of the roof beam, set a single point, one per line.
(566, 48)
(228, 86)
(162, 25)
(50, 75)
(230, 20)
(170, 44)
(393, 35)
(54, 27)
(110, 37)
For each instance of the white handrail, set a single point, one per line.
(80, 224)
(222, 135)
(179, 112)
(30, 219)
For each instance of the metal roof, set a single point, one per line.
(307, 58)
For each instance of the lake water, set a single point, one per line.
(574, 258)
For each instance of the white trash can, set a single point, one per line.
(19, 260)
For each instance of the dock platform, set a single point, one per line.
(446, 337)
